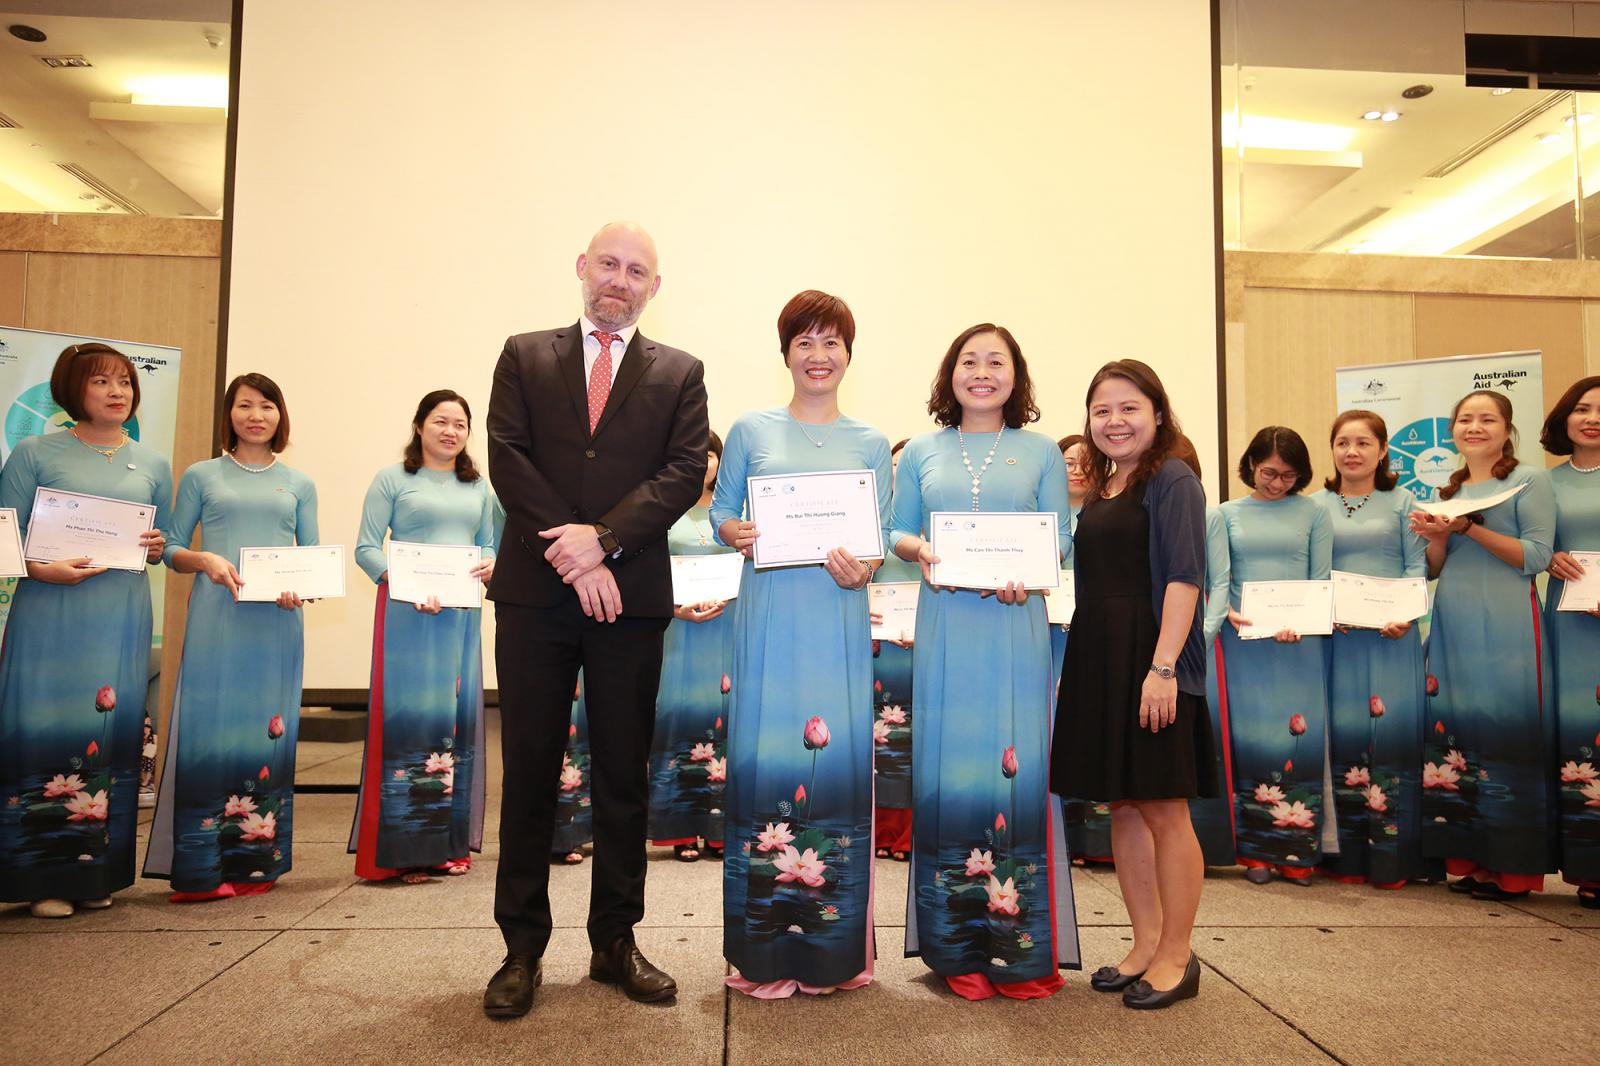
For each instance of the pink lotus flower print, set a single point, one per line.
(399, 775)
(816, 733)
(727, 684)
(1297, 724)
(702, 753)
(572, 730)
(92, 750)
(1455, 760)
(275, 727)
(1003, 897)
(800, 794)
(207, 823)
(1357, 776)
(571, 778)
(83, 807)
(438, 762)
(1570, 772)
(1438, 727)
(1000, 823)
(1293, 814)
(1268, 794)
(1375, 707)
(1444, 777)
(259, 826)
(1376, 800)
(1432, 685)
(980, 863)
(774, 836)
(894, 714)
(60, 785)
(1591, 794)
(264, 774)
(105, 699)
(449, 780)
(718, 723)
(877, 686)
(804, 867)
(717, 770)
(238, 806)
(1288, 766)
(880, 732)
(1008, 762)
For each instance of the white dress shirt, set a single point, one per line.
(591, 347)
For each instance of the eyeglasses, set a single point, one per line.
(1077, 468)
(1277, 477)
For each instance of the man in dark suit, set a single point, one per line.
(597, 444)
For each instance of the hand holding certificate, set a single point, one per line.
(706, 578)
(993, 549)
(1582, 593)
(1062, 601)
(1377, 602)
(72, 525)
(1453, 509)
(895, 603)
(11, 562)
(314, 572)
(1272, 607)
(801, 518)
(444, 574)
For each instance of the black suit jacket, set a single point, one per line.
(641, 469)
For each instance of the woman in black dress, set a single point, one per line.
(1132, 724)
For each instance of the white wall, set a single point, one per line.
(415, 179)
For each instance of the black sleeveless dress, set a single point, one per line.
(1099, 749)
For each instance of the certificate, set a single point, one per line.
(706, 578)
(1273, 606)
(802, 517)
(11, 561)
(418, 572)
(990, 549)
(1374, 602)
(314, 572)
(71, 525)
(1062, 601)
(1583, 594)
(896, 601)
(1457, 507)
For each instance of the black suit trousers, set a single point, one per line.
(538, 651)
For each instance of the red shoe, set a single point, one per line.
(222, 891)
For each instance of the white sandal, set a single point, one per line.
(51, 908)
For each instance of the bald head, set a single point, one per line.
(618, 271)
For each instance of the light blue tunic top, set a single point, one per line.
(428, 507)
(1376, 540)
(1276, 540)
(61, 461)
(237, 509)
(1219, 575)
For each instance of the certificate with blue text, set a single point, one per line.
(312, 572)
(73, 525)
(991, 549)
(803, 517)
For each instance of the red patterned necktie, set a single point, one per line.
(600, 376)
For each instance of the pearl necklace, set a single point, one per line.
(1350, 511)
(108, 453)
(819, 443)
(977, 476)
(252, 469)
(1582, 469)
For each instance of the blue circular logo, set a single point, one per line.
(1423, 456)
(35, 411)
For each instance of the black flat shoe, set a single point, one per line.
(1258, 875)
(1465, 884)
(1491, 891)
(1589, 899)
(510, 991)
(1111, 979)
(1140, 996)
(622, 963)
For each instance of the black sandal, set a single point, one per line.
(686, 852)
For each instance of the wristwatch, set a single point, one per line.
(1163, 671)
(608, 540)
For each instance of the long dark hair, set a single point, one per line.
(1169, 441)
(1383, 479)
(466, 469)
(1508, 453)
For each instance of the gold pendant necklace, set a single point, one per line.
(110, 454)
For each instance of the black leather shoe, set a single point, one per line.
(1140, 996)
(1258, 875)
(1589, 899)
(1464, 884)
(1491, 891)
(1111, 979)
(510, 991)
(622, 963)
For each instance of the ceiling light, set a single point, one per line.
(28, 33)
(1416, 92)
(1584, 118)
(1501, 91)
(180, 90)
(1551, 138)
(1389, 116)
(1287, 134)
(1373, 116)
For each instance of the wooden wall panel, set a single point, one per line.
(155, 300)
(13, 282)
(1293, 342)
(1591, 336)
(1472, 325)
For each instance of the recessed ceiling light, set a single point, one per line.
(1584, 118)
(1416, 92)
(28, 33)
(1389, 116)
(1501, 91)
(1551, 138)
(1372, 116)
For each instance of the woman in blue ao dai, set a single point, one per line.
(1276, 689)
(797, 872)
(689, 753)
(1375, 676)
(574, 825)
(1489, 796)
(1088, 822)
(76, 655)
(990, 896)
(1573, 429)
(224, 816)
(422, 779)
(892, 714)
